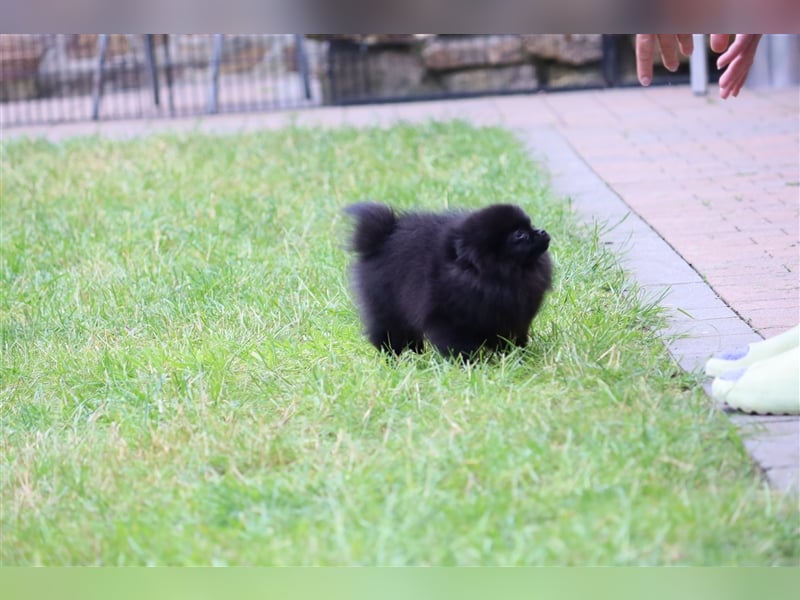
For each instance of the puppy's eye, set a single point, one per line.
(519, 236)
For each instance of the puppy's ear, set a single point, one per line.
(454, 246)
(459, 252)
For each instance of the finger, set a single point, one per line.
(719, 42)
(727, 80)
(725, 85)
(740, 76)
(728, 83)
(744, 48)
(739, 85)
(669, 51)
(686, 44)
(734, 86)
(735, 49)
(645, 48)
(734, 77)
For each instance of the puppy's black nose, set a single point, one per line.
(541, 240)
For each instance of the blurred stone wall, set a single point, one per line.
(364, 66)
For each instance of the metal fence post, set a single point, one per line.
(212, 107)
(152, 68)
(97, 92)
(168, 73)
(302, 62)
(698, 65)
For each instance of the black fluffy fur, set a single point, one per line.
(465, 281)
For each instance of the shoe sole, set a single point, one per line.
(763, 413)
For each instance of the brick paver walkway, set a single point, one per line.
(711, 189)
(717, 179)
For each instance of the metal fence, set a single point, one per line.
(74, 77)
(54, 78)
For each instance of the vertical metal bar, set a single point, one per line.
(152, 69)
(102, 43)
(760, 74)
(365, 87)
(610, 60)
(698, 66)
(785, 58)
(330, 67)
(130, 105)
(213, 106)
(168, 74)
(302, 62)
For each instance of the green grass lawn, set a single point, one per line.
(185, 381)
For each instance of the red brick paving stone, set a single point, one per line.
(712, 227)
(765, 323)
(778, 289)
(748, 266)
(753, 268)
(777, 301)
(749, 295)
(742, 297)
(776, 211)
(769, 332)
(699, 251)
(707, 190)
(646, 191)
(770, 190)
(745, 187)
(781, 318)
(778, 241)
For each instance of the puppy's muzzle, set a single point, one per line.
(540, 242)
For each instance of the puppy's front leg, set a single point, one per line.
(451, 340)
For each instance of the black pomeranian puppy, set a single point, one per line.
(465, 281)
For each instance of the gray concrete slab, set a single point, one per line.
(785, 479)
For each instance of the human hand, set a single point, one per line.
(669, 45)
(738, 58)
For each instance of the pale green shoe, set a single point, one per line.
(752, 353)
(770, 386)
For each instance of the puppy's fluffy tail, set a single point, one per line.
(374, 224)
